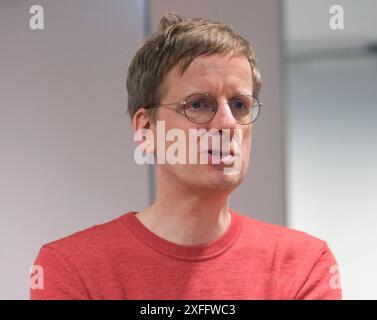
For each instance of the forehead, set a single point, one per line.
(216, 74)
(203, 65)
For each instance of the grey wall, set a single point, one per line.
(262, 193)
(66, 145)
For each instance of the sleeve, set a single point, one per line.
(52, 277)
(323, 281)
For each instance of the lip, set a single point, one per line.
(225, 159)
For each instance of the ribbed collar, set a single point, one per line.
(194, 253)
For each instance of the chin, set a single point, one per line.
(217, 180)
(205, 178)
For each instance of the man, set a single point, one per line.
(191, 74)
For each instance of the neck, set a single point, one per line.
(187, 218)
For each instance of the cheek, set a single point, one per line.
(246, 138)
(246, 145)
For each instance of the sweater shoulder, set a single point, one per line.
(281, 236)
(95, 237)
(301, 265)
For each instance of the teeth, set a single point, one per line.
(221, 154)
(216, 153)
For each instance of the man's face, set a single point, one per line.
(223, 77)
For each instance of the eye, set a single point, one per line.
(239, 104)
(197, 104)
(200, 103)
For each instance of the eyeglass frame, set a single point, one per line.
(184, 102)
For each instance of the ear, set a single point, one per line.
(141, 120)
(143, 126)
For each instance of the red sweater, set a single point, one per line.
(122, 259)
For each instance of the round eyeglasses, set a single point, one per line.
(201, 108)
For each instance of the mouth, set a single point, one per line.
(221, 156)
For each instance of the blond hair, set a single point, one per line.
(177, 43)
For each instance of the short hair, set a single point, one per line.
(177, 43)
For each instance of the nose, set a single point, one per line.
(223, 118)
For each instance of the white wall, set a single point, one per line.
(332, 135)
(66, 145)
